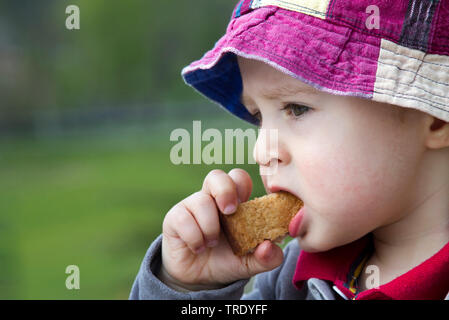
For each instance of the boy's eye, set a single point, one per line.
(295, 110)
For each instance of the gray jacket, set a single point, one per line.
(272, 285)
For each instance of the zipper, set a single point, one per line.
(340, 293)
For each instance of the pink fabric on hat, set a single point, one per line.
(353, 13)
(327, 56)
(336, 52)
(440, 35)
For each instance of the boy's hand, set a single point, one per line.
(195, 250)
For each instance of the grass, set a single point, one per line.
(94, 200)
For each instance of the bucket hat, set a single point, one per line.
(388, 51)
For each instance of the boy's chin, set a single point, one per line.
(309, 244)
(314, 242)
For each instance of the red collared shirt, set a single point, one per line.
(343, 265)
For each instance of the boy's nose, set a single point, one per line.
(267, 151)
(266, 147)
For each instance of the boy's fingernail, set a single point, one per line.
(269, 254)
(229, 209)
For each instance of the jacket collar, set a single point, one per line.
(428, 280)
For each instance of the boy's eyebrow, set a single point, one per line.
(278, 92)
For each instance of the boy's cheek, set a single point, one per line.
(338, 181)
(347, 197)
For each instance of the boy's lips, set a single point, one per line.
(275, 188)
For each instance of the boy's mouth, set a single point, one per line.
(276, 188)
(295, 224)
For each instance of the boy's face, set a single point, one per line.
(351, 160)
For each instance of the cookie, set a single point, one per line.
(259, 219)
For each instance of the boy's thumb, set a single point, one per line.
(267, 256)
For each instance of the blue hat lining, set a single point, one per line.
(223, 84)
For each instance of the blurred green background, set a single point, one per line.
(85, 121)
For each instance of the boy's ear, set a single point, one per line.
(438, 133)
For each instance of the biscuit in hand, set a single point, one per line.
(259, 219)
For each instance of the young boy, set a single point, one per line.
(360, 99)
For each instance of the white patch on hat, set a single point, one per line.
(413, 79)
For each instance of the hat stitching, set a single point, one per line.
(293, 15)
(409, 85)
(333, 66)
(341, 84)
(225, 68)
(330, 9)
(396, 53)
(341, 34)
(430, 102)
(245, 116)
(345, 24)
(414, 58)
(287, 71)
(412, 86)
(409, 97)
(383, 33)
(311, 55)
(369, 85)
(374, 33)
(316, 58)
(359, 41)
(415, 73)
(247, 31)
